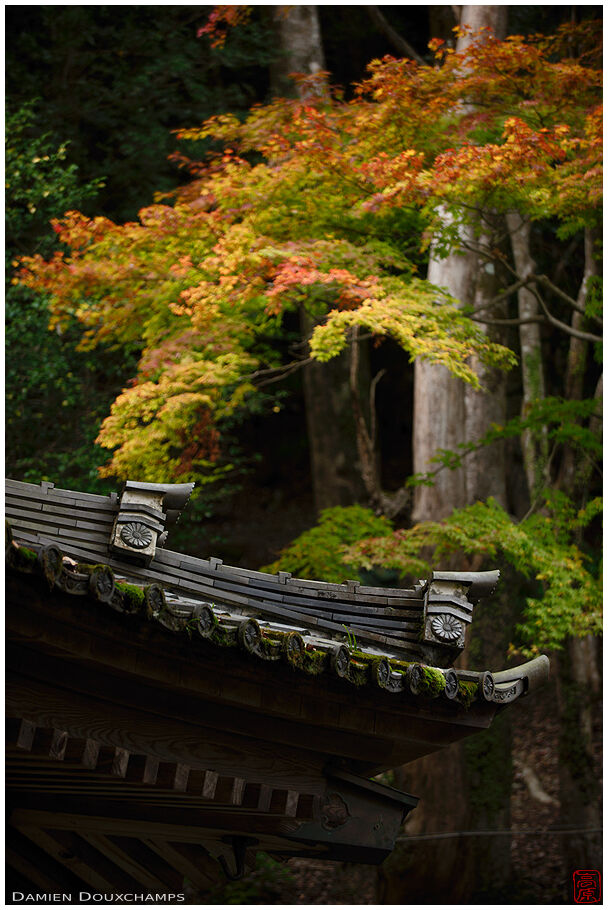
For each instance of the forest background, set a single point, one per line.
(365, 316)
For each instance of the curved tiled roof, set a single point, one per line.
(214, 708)
(390, 619)
(309, 652)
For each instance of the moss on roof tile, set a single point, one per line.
(356, 666)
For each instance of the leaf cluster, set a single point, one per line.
(569, 586)
(317, 552)
(314, 205)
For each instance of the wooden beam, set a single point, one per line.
(175, 827)
(122, 852)
(59, 845)
(162, 737)
(305, 727)
(284, 802)
(142, 854)
(191, 860)
(74, 812)
(383, 731)
(30, 872)
(257, 796)
(37, 867)
(29, 773)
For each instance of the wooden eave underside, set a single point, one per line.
(116, 756)
(82, 646)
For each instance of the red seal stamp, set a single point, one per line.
(587, 886)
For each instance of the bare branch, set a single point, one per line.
(569, 329)
(527, 321)
(372, 404)
(397, 40)
(512, 289)
(542, 279)
(276, 374)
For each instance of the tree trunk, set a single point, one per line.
(579, 770)
(332, 438)
(533, 380)
(299, 36)
(336, 475)
(439, 403)
(577, 362)
(469, 789)
(578, 674)
(448, 413)
(445, 412)
(485, 470)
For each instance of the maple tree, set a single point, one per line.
(325, 203)
(330, 205)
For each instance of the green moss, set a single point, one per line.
(400, 665)
(433, 682)
(359, 655)
(22, 559)
(87, 569)
(314, 662)
(133, 597)
(358, 673)
(467, 692)
(222, 637)
(27, 558)
(271, 646)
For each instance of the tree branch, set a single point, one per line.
(397, 40)
(542, 279)
(276, 374)
(569, 329)
(372, 404)
(527, 321)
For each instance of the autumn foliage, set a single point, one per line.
(323, 204)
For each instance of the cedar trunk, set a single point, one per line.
(579, 687)
(335, 472)
(475, 794)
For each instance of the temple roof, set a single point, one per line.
(362, 634)
(167, 711)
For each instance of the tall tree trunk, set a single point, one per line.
(448, 413)
(439, 406)
(578, 673)
(299, 37)
(445, 413)
(577, 361)
(336, 475)
(332, 438)
(469, 789)
(533, 380)
(485, 473)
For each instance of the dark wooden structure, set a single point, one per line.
(166, 713)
